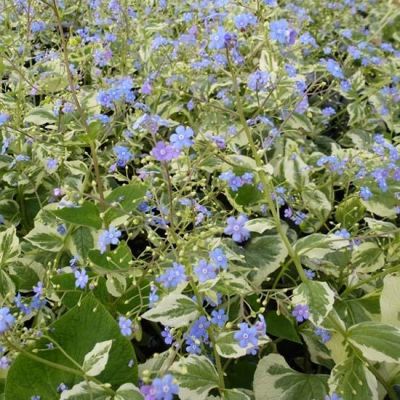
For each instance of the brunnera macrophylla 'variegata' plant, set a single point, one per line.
(199, 199)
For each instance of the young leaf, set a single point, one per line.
(86, 214)
(196, 376)
(9, 246)
(376, 341)
(128, 391)
(174, 310)
(318, 296)
(96, 360)
(352, 380)
(390, 300)
(274, 379)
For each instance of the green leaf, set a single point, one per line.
(376, 341)
(265, 254)
(96, 360)
(77, 332)
(349, 212)
(86, 214)
(318, 296)
(274, 380)
(281, 327)
(82, 242)
(228, 347)
(390, 300)
(196, 376)
(124, 200)
(7, 286)
(352, 380)
(128, 391)
(260, 225)
(368, 257)
(174, 310)
(9, 246)
(235, 394)
(40, 116)
(295, 171)
(85, 391)
(119, 258)
(46, 238)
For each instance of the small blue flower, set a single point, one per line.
(242, 21)
(236, 228)
(365, 193)
(301, 312)
(4, 362)
(51, 164)
(324, 334)
(81, 278)
(166, 334)
(218, 258)
(110, 236)
(217, 39)
(333, 396)
(309, 273)
(165, 388)
(125, 326)
(258, 80)
(343, 233)
(172, 276)
(123, 155)
(218, 317)
(280, 31)
(4, 118)
(246, 335)
(182, 138)
(6, 319)
(205, 271)
(334, 68)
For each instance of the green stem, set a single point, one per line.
(266, 182)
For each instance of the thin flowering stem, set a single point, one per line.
(266, 182)
(93, 149)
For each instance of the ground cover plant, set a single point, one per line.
(199, 199)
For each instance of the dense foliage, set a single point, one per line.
(199, 199)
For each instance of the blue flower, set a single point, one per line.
(81, 278)
(172, 276)
(163, 151)
(110, 236)
(125, 326)
(51, 164)
(4, 118)
(258, 80)
(246, 335)
(334, 68)
(217, 39)
(234, 182)
(6, 319)
(4, 362)
(279, 30)
(166, 334)
(242, 21)
(365, 193)
(218, 317)
(309, 273)
(205, 271)
(165, 388)
(123, 155)
(343, 233)
(324, 334)
(182, 138)
(301, 312)
(236, 228)
(333, 396)
(218, 258)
